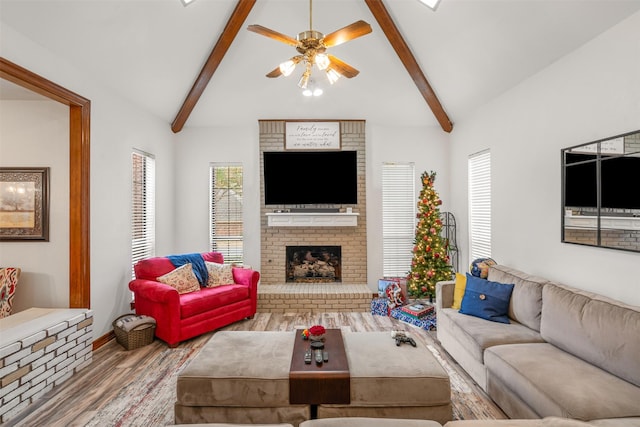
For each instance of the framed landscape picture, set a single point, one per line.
(24, 204)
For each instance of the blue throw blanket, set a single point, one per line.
(197, 264)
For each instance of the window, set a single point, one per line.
(226, 211)
(143, 211)
(398, 217)
(480, 205)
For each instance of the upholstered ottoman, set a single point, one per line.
(389, 381)
(239, 377)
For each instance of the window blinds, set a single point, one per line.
(480, 205)
(143, 216)
(226, 226)
(398, 217)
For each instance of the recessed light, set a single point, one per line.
(431, 3)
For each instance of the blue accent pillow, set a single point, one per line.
(487, 300)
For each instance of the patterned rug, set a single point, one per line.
(149, 400)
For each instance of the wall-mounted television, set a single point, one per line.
(310, 177)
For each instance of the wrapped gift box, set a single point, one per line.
(428, 322)
(380, 307)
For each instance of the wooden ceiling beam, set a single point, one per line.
(229, 33)
(394, 36)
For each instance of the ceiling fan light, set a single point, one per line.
(304, 80)
(332, 75)
(307, 92)
(317, 91)
(287, 67)
(322, 61)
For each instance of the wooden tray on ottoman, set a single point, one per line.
(316, 384)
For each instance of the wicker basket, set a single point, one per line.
(137, 337)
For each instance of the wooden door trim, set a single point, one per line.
(79, 164)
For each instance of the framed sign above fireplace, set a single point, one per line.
(319, 135)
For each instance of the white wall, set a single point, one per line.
(196, 148)
(116, 127)
(428, 149)
(590, 94)
(36, 134)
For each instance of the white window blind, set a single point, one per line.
(398, 217)
(226, 230)
(143, 212)
(480, 205)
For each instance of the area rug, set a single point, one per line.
(149, 400)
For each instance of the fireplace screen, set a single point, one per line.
(314, 264)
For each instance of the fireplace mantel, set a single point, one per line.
(312, 219)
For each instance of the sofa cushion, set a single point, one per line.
(526, 300)
(368, 422)
(181, 279)
(594, 328)
(477, 334)
(486, 299)
(544, 422)
(219, 274)
(458, 290)
(554, 382)
(208, 299)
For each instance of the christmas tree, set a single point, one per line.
(430, 263)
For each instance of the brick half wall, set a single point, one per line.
(40, 349)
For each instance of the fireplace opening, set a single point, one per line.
(314, 264)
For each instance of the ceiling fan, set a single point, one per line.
(312, 46)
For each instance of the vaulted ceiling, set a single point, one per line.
(152, 51)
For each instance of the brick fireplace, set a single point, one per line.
(277, 292)
(352, 239)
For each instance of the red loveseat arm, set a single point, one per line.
(162, 302)
(250, 278)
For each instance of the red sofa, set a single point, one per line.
(183, 316)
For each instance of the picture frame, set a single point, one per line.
(316, 135)
(24, 204)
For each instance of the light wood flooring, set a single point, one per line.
(88, 397)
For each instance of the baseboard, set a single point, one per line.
(103, 340)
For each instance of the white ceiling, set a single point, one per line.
(151, 51)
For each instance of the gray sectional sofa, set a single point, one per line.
(566, 353)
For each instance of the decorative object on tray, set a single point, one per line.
(418, 310)
(316, 333)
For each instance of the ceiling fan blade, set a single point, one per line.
(273, 34)
(275, 72)
(342, 67)
(350, 32)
